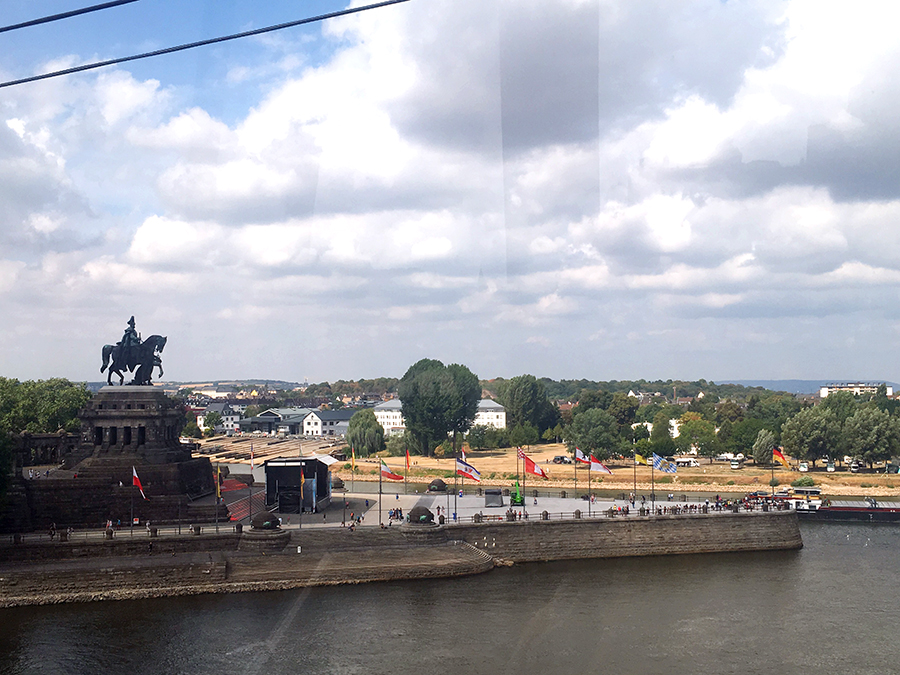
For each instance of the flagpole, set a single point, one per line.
(455, 483)
(250, 489)
(590, 494)
(217, 498)
(634, 467)
(379, 491)
(524, 491)
(576, 477)
(652, 486)
(132, 506)
(772, 482)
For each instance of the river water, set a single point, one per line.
(833, 607)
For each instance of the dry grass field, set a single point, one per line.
(498, 467)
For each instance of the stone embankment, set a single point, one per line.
(51, 573)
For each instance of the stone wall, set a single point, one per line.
(123, 545)
(42, 571)
(536, 540)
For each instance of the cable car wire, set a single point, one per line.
(200, 43)
(65, 15)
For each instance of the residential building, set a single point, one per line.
(389, 415)
(490, 414)
(855, 388)
(328, 422)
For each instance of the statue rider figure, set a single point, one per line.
(130, 342)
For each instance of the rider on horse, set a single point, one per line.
(129, 343)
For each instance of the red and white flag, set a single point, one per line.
(251, 457)
(597, 465)
(387, 473)
(466, 470)
(137, 481)
(531, 466)
(581, 457)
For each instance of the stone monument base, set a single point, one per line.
(264, 541)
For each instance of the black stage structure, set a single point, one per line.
(292, 481)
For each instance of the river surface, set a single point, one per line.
(833, 607)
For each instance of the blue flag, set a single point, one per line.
(662, 465)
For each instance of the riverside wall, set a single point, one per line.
(542, 540)
(119, 569)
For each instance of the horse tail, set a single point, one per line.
(107, 350)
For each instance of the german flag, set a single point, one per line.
(778, 457)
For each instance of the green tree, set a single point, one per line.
(623, 408)
(743, 435)
(438, 400)
(41, 406)
(762, 447)
(699, 434)
(590, 399)
(812, 434)
(478, 437)
(660, 427)
(526, 402)
(191, 430)
(594, 431)
(364, 433)
(871, 435)
(212, 420)
(524, 434)
(36, 406)
(728, 411)
(554, 434)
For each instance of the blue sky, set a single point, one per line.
(569, 188)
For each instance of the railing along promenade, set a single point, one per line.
(667, 509)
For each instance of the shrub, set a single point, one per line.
(805, 481)
(774, 482)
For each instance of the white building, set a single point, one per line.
(389, 417)
(328, 422)
(855, 388)
(489, 414)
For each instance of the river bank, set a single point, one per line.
(50, 573)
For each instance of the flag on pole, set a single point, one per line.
(218, 482)
(531, 466)
(780, 458)
(353, 459)
(467, 470)
(581, 457)
(387, 473)
(137, 482)
(662, 465)
(640, 459)
(407, 460)
(251, 457)
(597, 465)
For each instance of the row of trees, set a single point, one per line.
(38, 407)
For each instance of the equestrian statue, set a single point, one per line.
(130, 354)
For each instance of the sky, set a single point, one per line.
(595, 189)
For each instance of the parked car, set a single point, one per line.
(562, 459)
(804, 467)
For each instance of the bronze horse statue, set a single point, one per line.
(140, 358)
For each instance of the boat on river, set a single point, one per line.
(868, 510)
